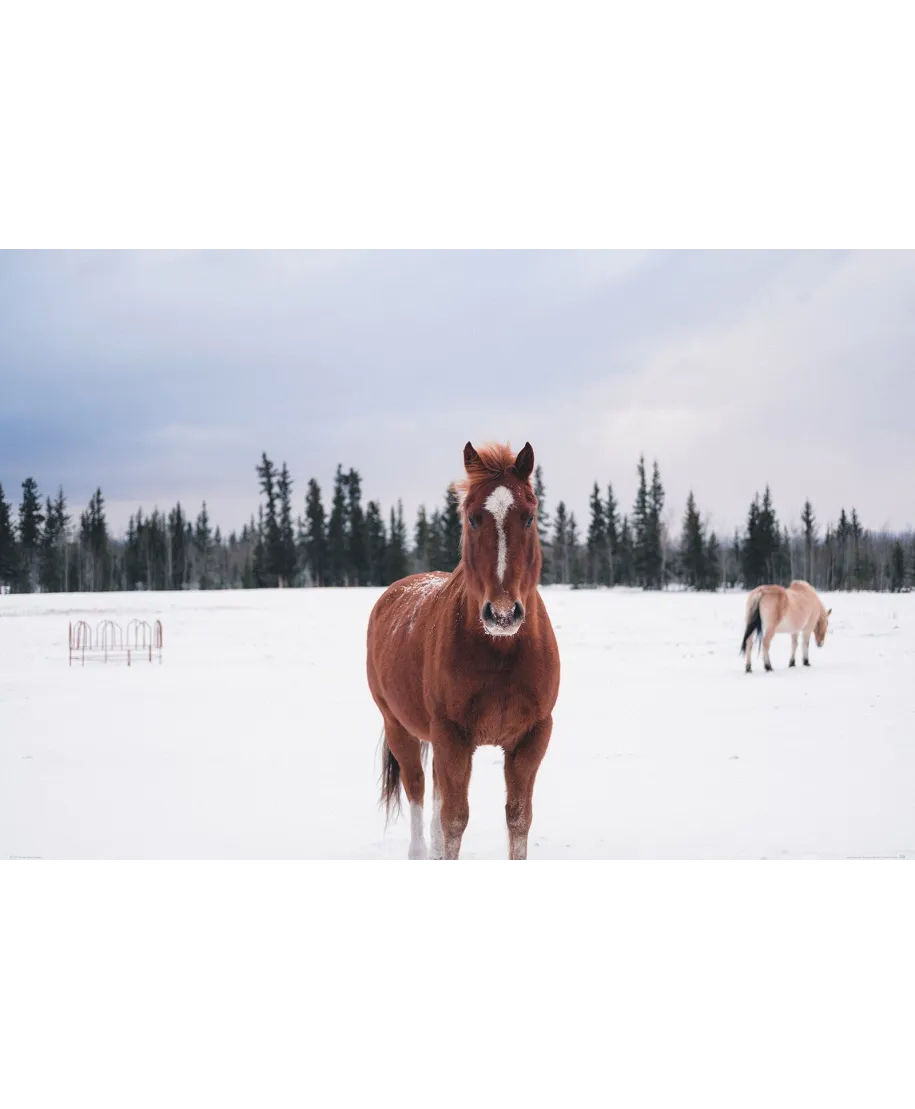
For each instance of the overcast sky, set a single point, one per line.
(162, 376)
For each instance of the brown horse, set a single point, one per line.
(469, 658)
(796, 611)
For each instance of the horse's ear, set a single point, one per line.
(471, 458)
(524, 463)
(829, 612)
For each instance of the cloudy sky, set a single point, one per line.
(162, 376)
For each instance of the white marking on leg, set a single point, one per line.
(435, 831)
(417, 839)
(498, 503)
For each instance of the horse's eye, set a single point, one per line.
(472, 520)
(529, 521)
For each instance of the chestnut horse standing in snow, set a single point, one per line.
(796, 610)
(469, 658)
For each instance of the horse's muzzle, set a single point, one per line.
(498, 621)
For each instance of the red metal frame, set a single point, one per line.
(109, 642)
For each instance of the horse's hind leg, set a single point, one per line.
(768, 636)
(806, 647)
(406, 750)
(793, 648)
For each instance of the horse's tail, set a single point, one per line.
(390, 781)
(754, 623)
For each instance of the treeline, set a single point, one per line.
(349, 542)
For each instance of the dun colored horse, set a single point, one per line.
(469, 658)
(796, 611)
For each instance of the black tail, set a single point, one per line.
(754, 626)
(390, 781)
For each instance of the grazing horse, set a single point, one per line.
(469, 658)
(796, 610)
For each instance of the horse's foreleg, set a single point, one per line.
(437, 849)
(793, 648)
(521, 766)
(453, 761)
(806, 647)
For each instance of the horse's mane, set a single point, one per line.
(494, 460)
(821, 619)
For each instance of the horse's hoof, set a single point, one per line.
(749, 668)
(768, 667)
(792, 663)
(806, 662)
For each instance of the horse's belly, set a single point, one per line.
(792, 623)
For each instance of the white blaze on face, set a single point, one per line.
(498, 503)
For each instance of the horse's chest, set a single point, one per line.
(499, 716)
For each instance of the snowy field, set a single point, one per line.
(257, 736)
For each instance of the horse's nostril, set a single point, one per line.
(518, 611)
(488, 614)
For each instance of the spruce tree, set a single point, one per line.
(752, 550)
(641, 525)
(809, 524)
(421, 541)
(842, 552)
(376, 544)
(575, 559)
(336, 533)
(897, 568)
(356, 543)
(271, 556)
(94, 548)
(179, 548)
(597, 540)
(561, 561)
(654, 555)
(221, 553)
(203, 543)
(50, 569)
(858, 565)
(625, 567)
(260, 567)
(437, 558)
(543, 526)
(8, 552)
(61, 530)
(397, 565)
(451, 530)
(316, 552)
(286, 557)
(611, 529)
(712, 564)
(30, 520)
(693, 551)
(770, 541)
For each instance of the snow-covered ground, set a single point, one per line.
(257, 736)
